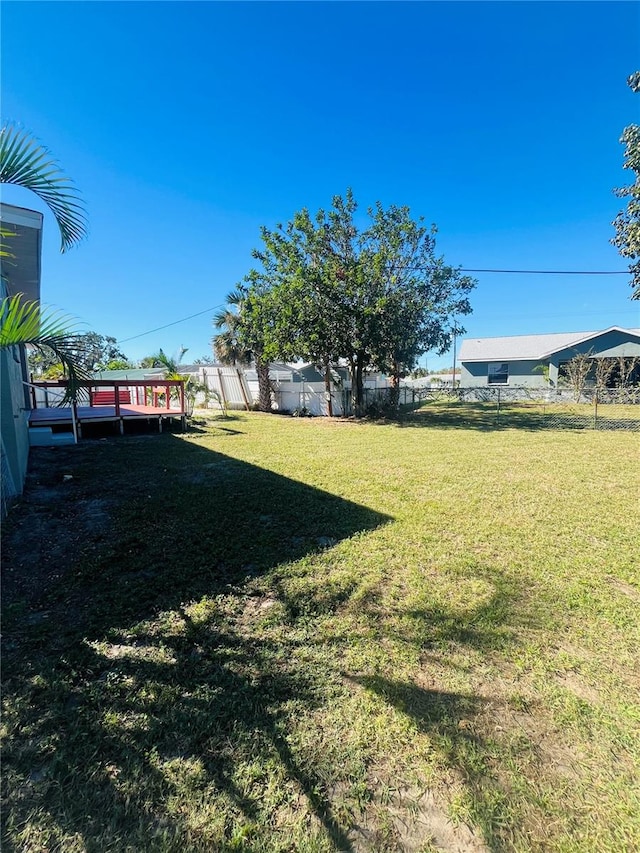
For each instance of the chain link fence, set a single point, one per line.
(542, 408)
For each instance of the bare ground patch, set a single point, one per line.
(49, 525)
(411, 820)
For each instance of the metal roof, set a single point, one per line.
(528, 347)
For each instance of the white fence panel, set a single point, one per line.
(230, 383)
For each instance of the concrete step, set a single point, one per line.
(46, 437)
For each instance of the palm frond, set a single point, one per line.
(27, 323)
(229, 350)
(236, 296)
(169, 363)
(223, 318)
(4, 249)
(26, 163)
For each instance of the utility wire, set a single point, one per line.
(462, 269)
(166, 326)
(554, 272)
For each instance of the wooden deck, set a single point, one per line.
(101, 414)
(61, 416)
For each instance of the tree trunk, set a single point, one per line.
(394, 396)
(264, 386)
(327, 388)
(357, 386)
(352, 398)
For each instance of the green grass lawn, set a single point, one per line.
(282, 634)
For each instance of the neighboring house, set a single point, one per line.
(433, 380)
(536, 361)
(20, 273)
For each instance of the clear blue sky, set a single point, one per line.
(186, 126)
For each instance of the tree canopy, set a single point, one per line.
(372, 296)
(90, 352)
(627, 222)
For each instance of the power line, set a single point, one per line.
(462, 269)
(166, 326)
(554, 272)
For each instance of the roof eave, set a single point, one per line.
(586, 338)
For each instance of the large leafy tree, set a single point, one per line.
(91, 351)
(627, 222)
(373, 297)
(418, 297)
(302, 294)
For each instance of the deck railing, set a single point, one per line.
(155, 392)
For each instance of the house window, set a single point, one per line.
(498, 373)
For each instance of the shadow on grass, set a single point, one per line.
(137, 700)
(205, 423)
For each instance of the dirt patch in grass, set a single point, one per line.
(627, 589)
(577, 685)
(413, 821)
(51, 525)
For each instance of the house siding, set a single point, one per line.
(19, 273)
(14, 425)
(521, 374)
(609, 345)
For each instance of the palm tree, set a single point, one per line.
(26, 163)
(170, 364)
(228, 345)
(232, 346)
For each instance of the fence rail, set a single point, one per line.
(604, 409)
